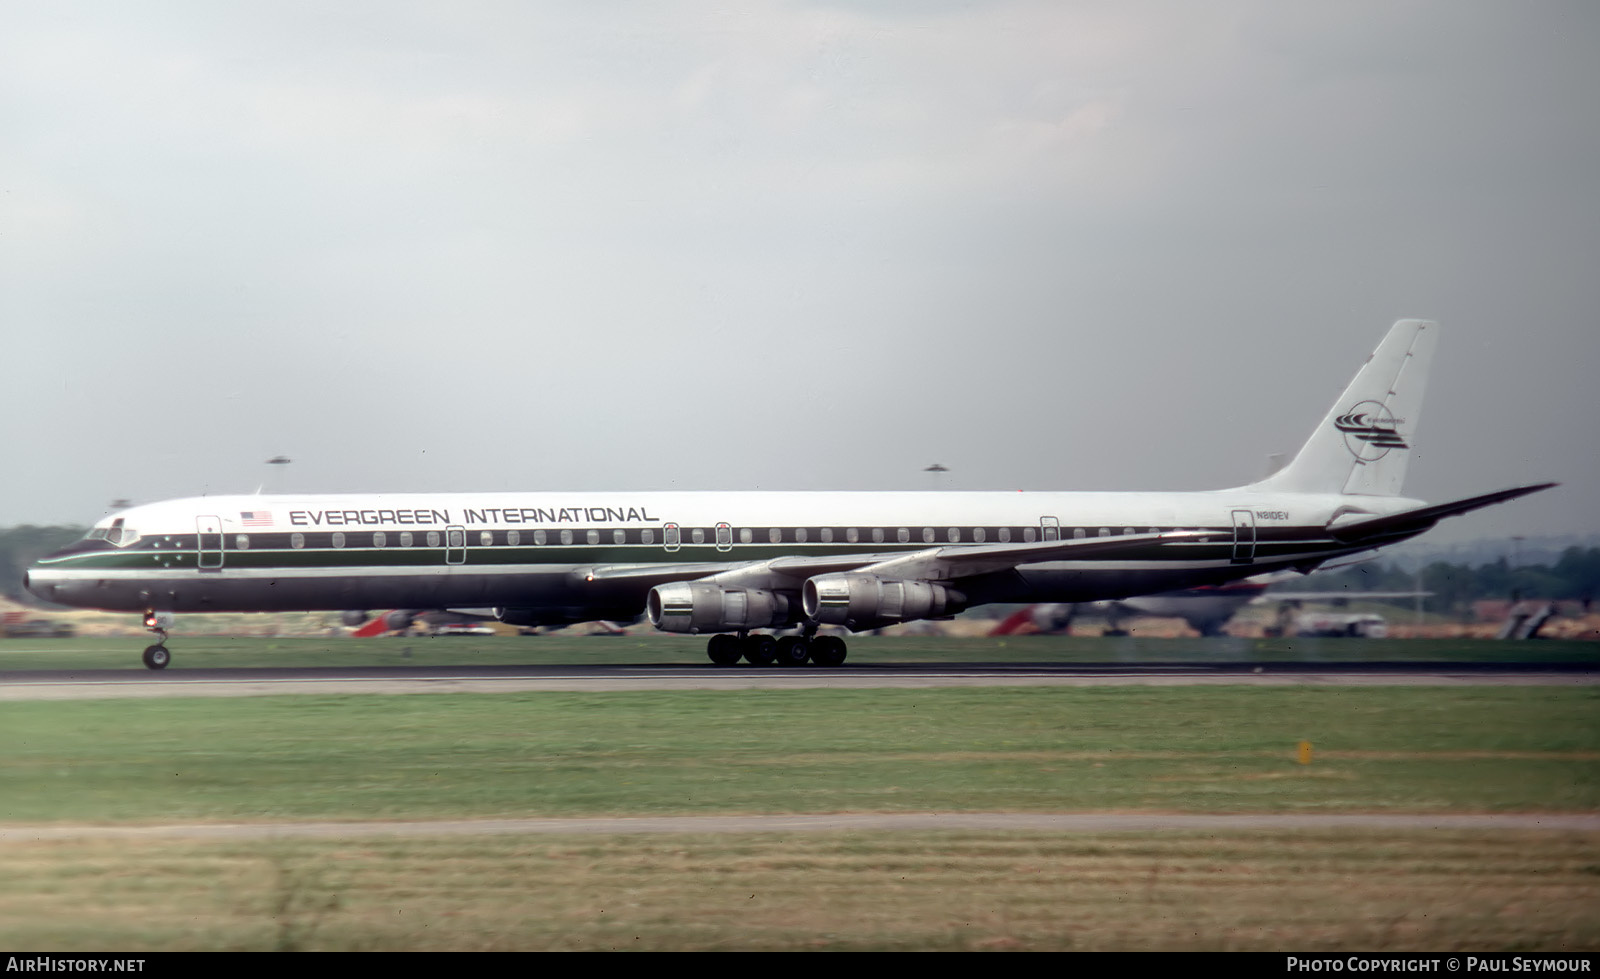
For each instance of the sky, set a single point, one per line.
(430, 246)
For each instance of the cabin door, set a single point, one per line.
(1244, 536)
(208, 533)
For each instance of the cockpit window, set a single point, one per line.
(115, 534)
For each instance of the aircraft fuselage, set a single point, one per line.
(539, 550)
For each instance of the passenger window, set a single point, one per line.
(592, 537)
(954, 535)
(1129, 531)
(746, 535)
(827, 535)
(619, 537)
(927, 535)
(379, 538)
(433, 538)
(697, 536)
(338, 538)
(903, 535)
(1005, 535)
(1079, 533)
(297, 541)
(242, 542)
(852, 535)
(566, 537)
(978, 535)
(775, 536)
(539, 537)
(1028, 535)
(1105, 531)
(513, 537)
(877, 535)
(405, 538)
(486, 538)
(799, 535)
(648, 535)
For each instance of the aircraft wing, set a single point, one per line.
(774, 572)
(1338, 596)
(944, 562)
(965, 560)
(1352, 528)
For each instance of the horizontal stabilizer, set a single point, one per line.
(1424, 517)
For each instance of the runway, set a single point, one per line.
(246, 682)
(1088, 822)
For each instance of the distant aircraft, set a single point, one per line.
(402, 619)
(1290, 621)
(1206, 608)
(732, 563)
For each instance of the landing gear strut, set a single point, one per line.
(156, 657)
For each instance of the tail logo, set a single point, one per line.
(1370, 431)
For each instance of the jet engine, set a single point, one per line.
(864, 601)
(700, 606)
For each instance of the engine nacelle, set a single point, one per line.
(700, 606)
(865, 601)
(353, 617)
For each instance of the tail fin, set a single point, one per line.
(1364, 443)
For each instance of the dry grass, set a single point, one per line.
(1307, 891)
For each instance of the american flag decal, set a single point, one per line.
(256, 518)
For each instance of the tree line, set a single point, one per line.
(21, 546)
(1575, 576)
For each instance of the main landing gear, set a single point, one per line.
(762, 650)
(156, 657)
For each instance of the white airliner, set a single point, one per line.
(729, 564)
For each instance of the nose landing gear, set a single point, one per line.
(156, 657)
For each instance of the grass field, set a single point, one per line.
(196, 652)
(1201, 749)
(1274, 891)
(1191, 749)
